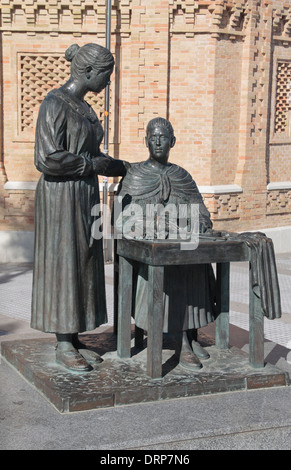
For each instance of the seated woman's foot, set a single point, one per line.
(87, 353)
(199, 351)
(90, 356)
(189, 361)
(72, 360)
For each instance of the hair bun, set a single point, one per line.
(71, 52)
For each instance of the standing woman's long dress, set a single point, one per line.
(68, 284)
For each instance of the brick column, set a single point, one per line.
(144, 74)
(251, 172)
(3, 177)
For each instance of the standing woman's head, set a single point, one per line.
(92, 63)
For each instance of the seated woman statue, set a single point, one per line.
(189, 301)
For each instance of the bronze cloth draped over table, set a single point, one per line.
(264, 281)
(68, 283)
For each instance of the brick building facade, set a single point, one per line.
(219, 70)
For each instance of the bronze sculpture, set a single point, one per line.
(68, 284)
(188, 290)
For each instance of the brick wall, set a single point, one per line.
(211, 67)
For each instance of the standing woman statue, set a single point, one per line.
(68, 294)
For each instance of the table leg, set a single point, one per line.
(155, 321)
(138, 337)
(115, 287)
(256, 328)
(222, 321)
(124, 308)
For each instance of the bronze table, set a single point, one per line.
(160, 253)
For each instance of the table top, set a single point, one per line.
(169, 252)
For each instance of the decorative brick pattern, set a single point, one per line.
(18, 210)
(279, 202)
(219, 17)
(223, 207)
(283, 97)
(40, 73)
(282, 21)
(57, 16)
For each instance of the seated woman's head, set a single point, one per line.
(160, 139)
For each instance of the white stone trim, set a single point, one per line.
(279, 185)
(31, 186)
(220, 189)
(21, 185)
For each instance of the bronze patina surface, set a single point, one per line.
(117, 381)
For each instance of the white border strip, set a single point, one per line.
(211, 189)
(220, 189)
(21, 185)
(31, 186)
(279, 185)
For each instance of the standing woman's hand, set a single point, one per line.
(100, 164)
(108, 166)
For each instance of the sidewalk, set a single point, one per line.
(258, 419)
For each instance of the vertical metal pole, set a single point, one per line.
(107, 89)
(105, 218)
(106, 135)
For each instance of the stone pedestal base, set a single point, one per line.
(117, 382)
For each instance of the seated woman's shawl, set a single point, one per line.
(144, 186)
